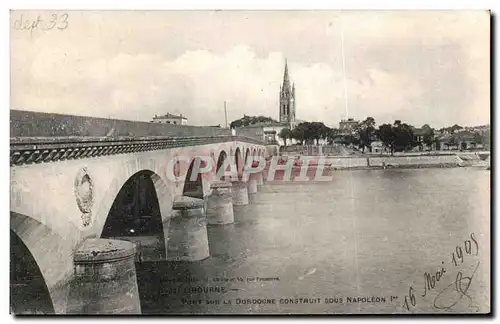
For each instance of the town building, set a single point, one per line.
(419, 135)
(378, 147)
(170, 119)
(462, 140)
(266, 132)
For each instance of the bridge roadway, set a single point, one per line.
(78, 201)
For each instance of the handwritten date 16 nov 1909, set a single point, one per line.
(457, 290)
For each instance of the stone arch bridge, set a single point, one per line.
(69, 190)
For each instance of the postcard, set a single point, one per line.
(250, 162)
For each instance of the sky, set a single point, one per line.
(422, 67)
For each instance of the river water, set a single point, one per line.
(361, 243)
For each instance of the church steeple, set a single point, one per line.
(287, 100)
(286, 78)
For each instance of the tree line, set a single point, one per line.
(396, 137)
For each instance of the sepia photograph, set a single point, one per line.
(250, 162)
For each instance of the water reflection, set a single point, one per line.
(222, 243)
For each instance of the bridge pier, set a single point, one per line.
(252, 184)
(105, 280)
(188, 237)
(220, 204)
(239, 193)
(259, 178)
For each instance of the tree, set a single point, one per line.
(333, 133)
(285, 134)
(387, 134)
(298, 134)
(366, 131)
(478, 138)
(369, 124)
(311, 131)
(487, 138)
(404, 136)
(429, 137)
(398, 137)
(251, 120)
(319, 131)
(452, 141)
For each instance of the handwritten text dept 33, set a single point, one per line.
(43, 22)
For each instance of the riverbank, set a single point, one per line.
(356, 162)
(313, 168)
(407, 166)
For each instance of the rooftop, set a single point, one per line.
(419, 131)
(425, 129)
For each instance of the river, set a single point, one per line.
(361, 243)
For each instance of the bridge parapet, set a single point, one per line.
(34, 124)
(27, 150)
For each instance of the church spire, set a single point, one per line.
(287, 100)
(286, 78)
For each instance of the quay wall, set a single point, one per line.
(418, 161)
(347, 163)
(390, 161)
(316, 173)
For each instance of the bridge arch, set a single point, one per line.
(219, 171)
(29, 293)
(248, 158)
(35, 268)
(193, 183)
(238, 160)
(247, 155)
(139, 212)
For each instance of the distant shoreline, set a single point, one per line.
(328, 165)
(329, 173)
(416, 166)
(296, 169)
(396, 155)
